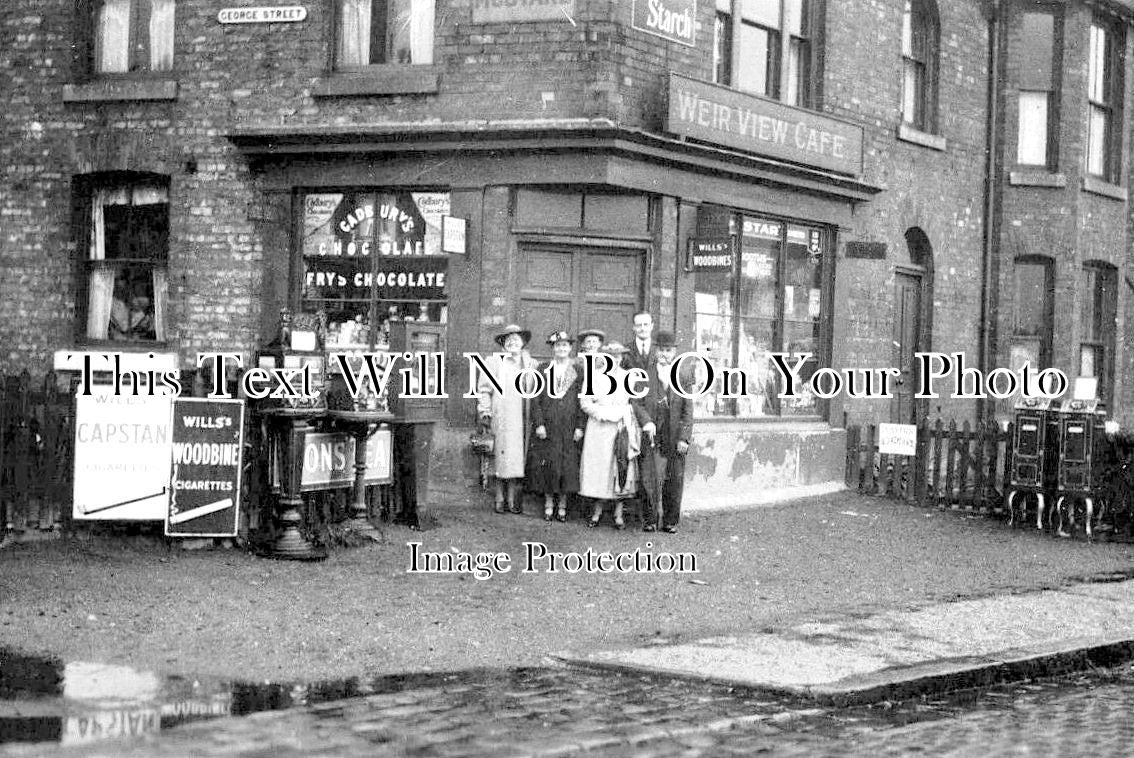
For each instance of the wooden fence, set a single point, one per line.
(966, 468)
(36, 453)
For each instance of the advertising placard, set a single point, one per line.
(722, 116)
(710, 254)
(675, 20)
(122, 450)
(208, 437)
(897, 439)
(328, 460)
(262, 15)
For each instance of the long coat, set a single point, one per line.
(553, 463)
(509, 413)
(672, 415)
(598, 469)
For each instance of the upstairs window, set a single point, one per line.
(1033, 312)
(1104, 83)
(919, 64)
(1036, 57)
(764, 47)
(126, 230)
(370, 32)
(131, 36)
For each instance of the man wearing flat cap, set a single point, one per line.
(672, 415)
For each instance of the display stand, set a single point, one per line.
(360, 424)
(287, 429)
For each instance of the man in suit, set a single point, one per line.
(642, 352)
(672, 416)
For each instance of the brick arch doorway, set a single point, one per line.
(912, 326)
(575, 287)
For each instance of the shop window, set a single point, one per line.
(769, 299)
(372, 257)
(124, 272)
(1104, 83)
(764, 47)
(1098, 307)
(370, 32)
(1033, 312)
(128, 36)
(1036, 61)
(919, 64)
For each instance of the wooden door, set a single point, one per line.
(907, 341)
(574, 288)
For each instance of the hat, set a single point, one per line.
(511, 329)
(560, 336)
(592, 333)
(614, 348)
(665, 339)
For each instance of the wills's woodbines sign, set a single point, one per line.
(208, 440)
(723, 116)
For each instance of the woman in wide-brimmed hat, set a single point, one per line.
(507, 414)
(557, 425)
(608, 469)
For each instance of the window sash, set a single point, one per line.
(1032, 141)
(913, 93)
(109, 312)
(134, 35)
(764, 48)
(371, 32)
(1098, 141)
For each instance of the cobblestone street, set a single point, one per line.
(556, 712)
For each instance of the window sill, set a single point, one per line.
(1098, 186)
(1036, 178)
(120, 89)
(907, 133)
(380, 80)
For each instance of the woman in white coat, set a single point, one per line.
(602, 477)
(507, 414)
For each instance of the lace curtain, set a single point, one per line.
(408, 31)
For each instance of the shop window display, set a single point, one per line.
(371, 258)
(768, 300)
(125, 267)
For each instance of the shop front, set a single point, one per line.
(579, 224)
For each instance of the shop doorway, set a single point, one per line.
(913, 325)
(907, 333)
(574, 288)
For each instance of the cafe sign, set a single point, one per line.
(723, 116)
(674, 20)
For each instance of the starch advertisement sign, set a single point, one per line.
(208, 436)
(675, 20)
(122, 449)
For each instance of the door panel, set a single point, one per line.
(907, 342)
(574, 288)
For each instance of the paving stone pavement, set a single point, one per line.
(559, 712)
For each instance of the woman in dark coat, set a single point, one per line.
(557, 426)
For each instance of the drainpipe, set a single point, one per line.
(987, 286)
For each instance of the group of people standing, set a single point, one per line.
(605, 448)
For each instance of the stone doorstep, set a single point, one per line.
(926, 678)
